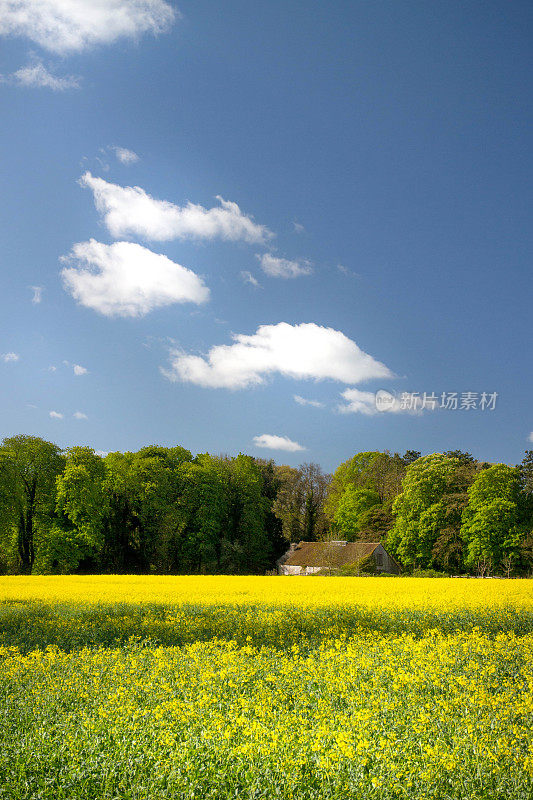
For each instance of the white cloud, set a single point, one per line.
(298, 227)
(282, 267)
(125, 156)
(272, 442)
(371, 403)
(51, 368)
(296, 351)
(56, 415)
(129, 210)
(127, 280)
(102, 453)
(249, 278)
(346, 271)
(530, 437)
(37, 294)
(37, 76)
(79, 370)
(7, 357)
(302, 401)
(80, 415)
(66, 26)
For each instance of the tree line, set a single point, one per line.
(163, 510)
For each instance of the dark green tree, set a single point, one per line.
(29, 467)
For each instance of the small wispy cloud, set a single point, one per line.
(80, 415)
(249, 278)
(298, 227)
(102, 453)
(56, 415)
(37, 294)
(283, 268)
(10, 357)
(51, 368)
(273, 442)
(530, 437)
(125, 156)
(349, 272)
(37, 76)
(79, 370)
(303, 401)
(372, 403)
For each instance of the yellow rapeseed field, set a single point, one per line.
(148, 688)
(307, 592)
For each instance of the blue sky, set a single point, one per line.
(374, 233)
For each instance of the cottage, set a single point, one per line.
(306, 558)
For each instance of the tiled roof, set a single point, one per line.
(328, 554)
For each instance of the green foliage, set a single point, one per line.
(300, 502)
(425, 573)
(423, 511)
(161, 510)
(352, 511)
(492, 523)
(29, 467)
(362, 491)
(80, 493)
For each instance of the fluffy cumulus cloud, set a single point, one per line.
(56, 415)
(272, 442)
(303, 401)
(282, 267)
(130, 211)
(80, 415)
(7, 357)
(127, 280)
(125, 156)
(371, 403)
(67, 26)
(79, 370)
(296, 351)
(37, 76)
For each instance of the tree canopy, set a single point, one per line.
(161, 509)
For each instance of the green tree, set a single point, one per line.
(361, 494)
(525, 469)
(300, 502)
(80, 494)
(203, 512)
(355, 472)
(245, 545)
(277, 544)
(420, 510)
(29, 467)
(352, 512)
(493, 525)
